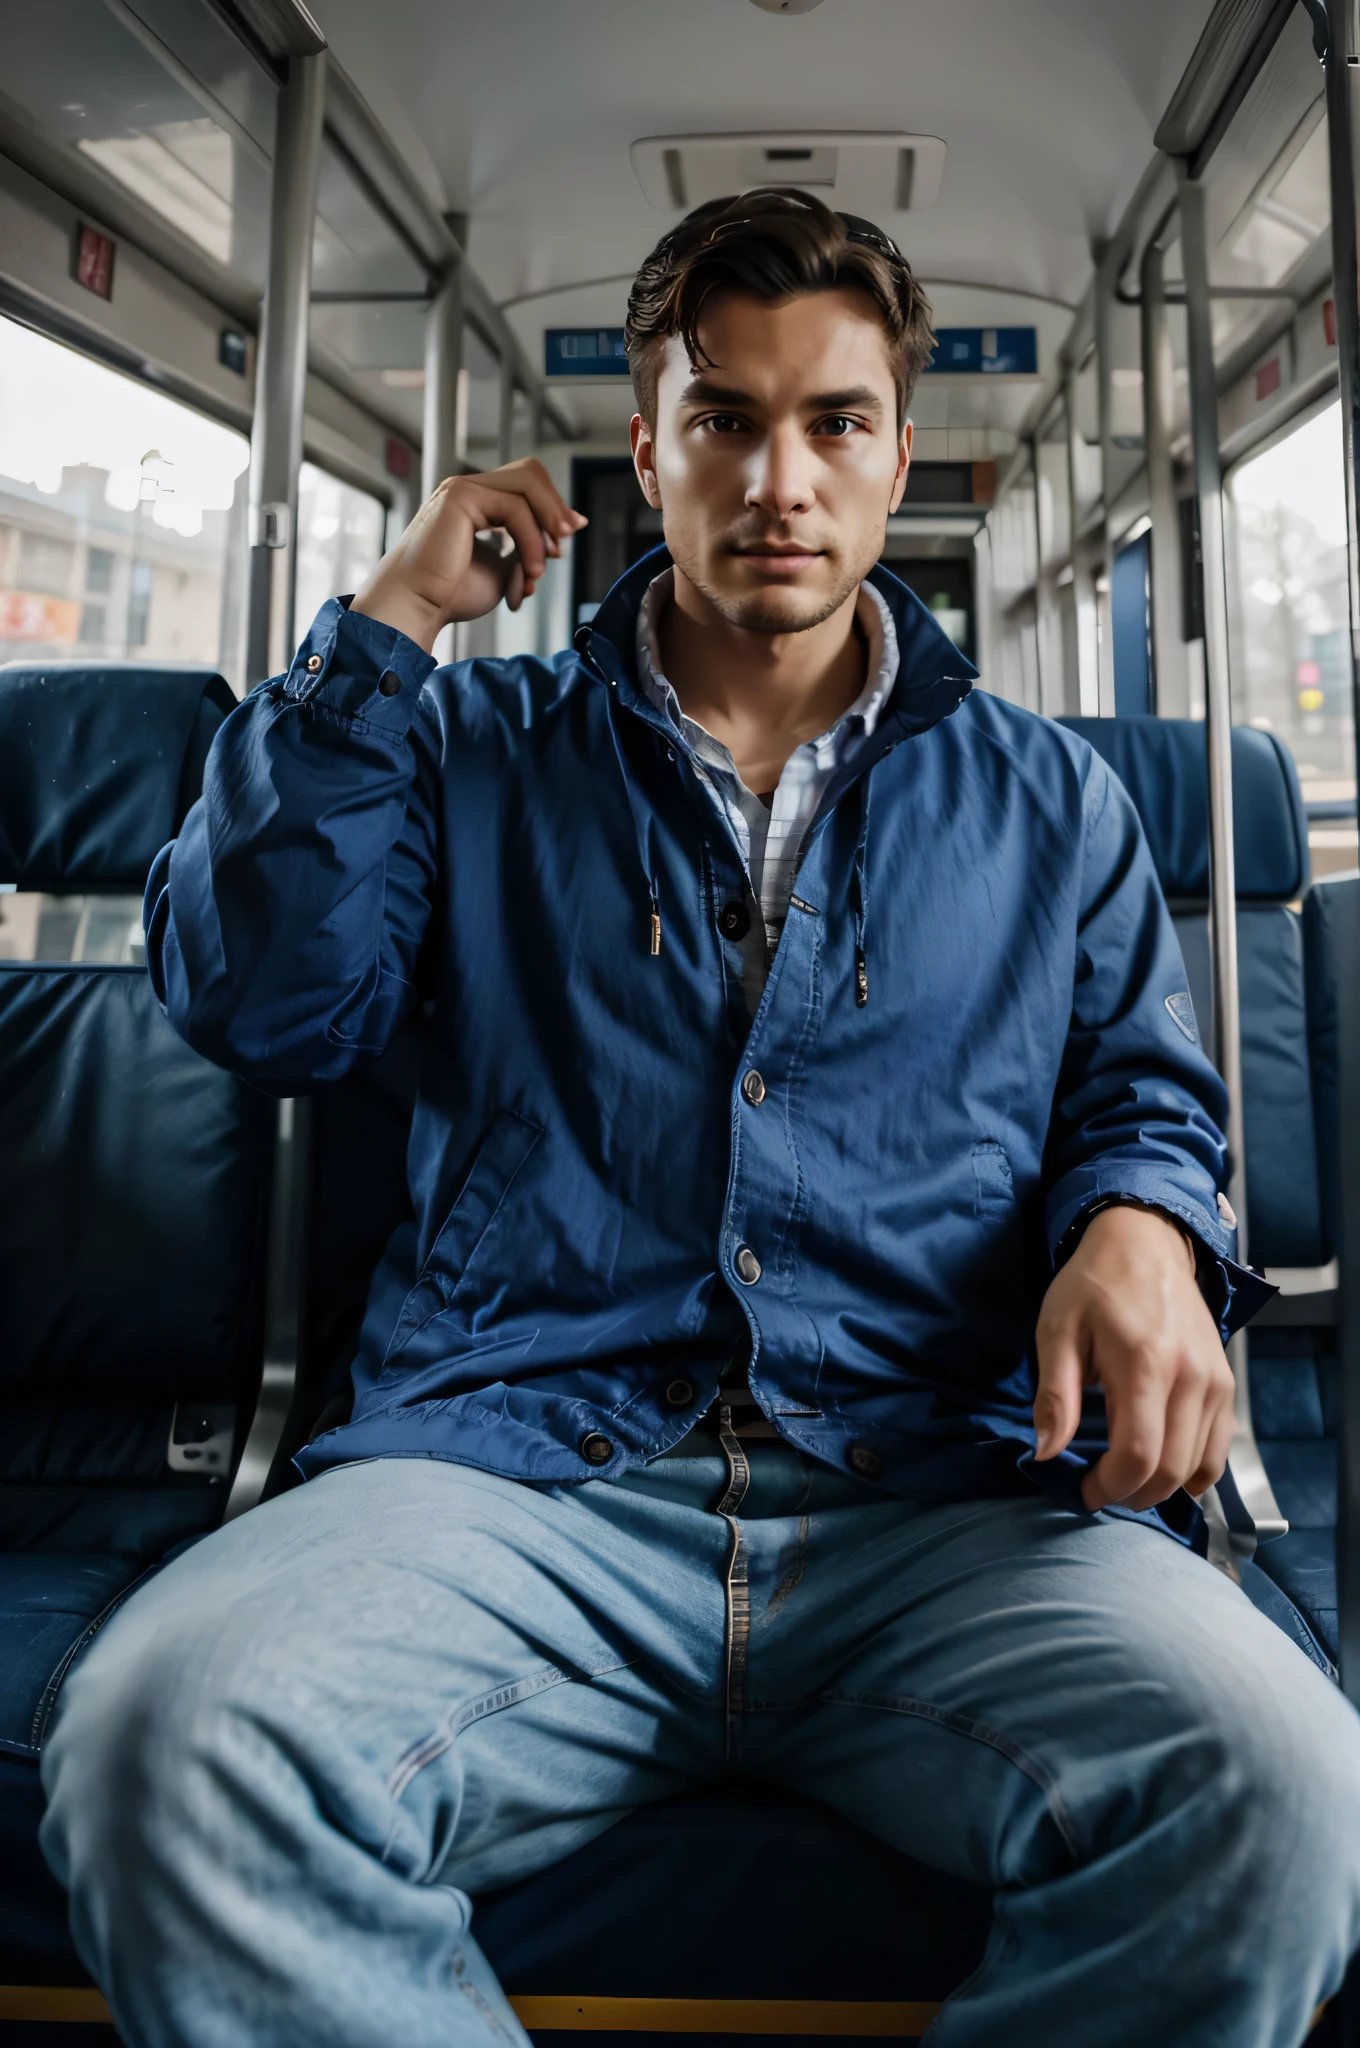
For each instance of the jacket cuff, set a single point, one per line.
(355, 667)
(1233, 1293)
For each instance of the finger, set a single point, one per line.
(1137, 1408)
(530, 480)
(1187, 1425)
(503, 508)
(1057, 1399)
(517, 585)
(1218, 1444)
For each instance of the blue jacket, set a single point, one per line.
(969, 1036)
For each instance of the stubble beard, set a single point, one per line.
(782, 608)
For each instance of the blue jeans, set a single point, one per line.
(282, 1768)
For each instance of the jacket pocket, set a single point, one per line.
(993, 1183)
(506, 1145)
(1000, 1247)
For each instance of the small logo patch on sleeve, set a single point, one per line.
(1182, 1013)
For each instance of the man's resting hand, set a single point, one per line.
(440, 571)
(1126, 1313)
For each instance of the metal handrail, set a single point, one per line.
(1332, 25)
(1247, 1469)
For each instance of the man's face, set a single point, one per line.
(776, 466)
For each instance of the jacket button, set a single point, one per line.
(596, 1449)
(389, 685)
(734, 920)
(753, 1088)
(866, 1461)
(313, 664)
(747, 1265)
(679, 1394)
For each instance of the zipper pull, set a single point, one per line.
(656, 927)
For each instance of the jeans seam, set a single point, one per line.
(975, 1731)
(429, 1748)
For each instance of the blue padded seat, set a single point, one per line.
(132, 1223)
(740, 1891)
(1288, 1079)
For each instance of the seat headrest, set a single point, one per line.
(1162, 762)
(98, 765)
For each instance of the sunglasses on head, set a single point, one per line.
(869, 237)
(857, 229)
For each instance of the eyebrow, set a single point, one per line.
(706, 391)
(855, 397)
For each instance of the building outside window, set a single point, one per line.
(1291, 671)
(139, 604)
(120, 512)
(340, 539)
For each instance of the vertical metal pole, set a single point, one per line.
(1081, 691)
(1041, 650)
(507, 406)
(1342, 86)
(1217, 694)
(1104, 314)
(1247, 1468)
(1171, 674)
(439, 454)
(281, 373)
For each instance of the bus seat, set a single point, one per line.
(737, 1893)
(132, 1209)
(1286, 996)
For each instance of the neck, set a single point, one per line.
(762, 694)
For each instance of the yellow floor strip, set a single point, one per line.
(893, 2017)
(882, 2017)
(52, 2002)
(877, 2017)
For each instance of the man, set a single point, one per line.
(795, 1014)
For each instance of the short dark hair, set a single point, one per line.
(777, 243)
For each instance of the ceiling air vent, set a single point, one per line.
(872, 174)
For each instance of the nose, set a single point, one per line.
(780, 477)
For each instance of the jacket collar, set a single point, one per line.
(933, 678)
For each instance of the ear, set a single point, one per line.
(644, 459)
(903, 465)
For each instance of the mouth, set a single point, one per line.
(774, 558)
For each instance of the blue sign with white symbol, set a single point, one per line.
(584, 352)
(985, 352)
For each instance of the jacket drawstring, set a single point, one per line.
(860, 894)
(642, 833)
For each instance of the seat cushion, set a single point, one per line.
(1163, 764)
(35, 1947)
(1303, 1565)
(133, 1197)
(737, 1893)
(48, 1606)
(101, 762)
(1284, 1186)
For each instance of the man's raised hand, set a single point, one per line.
(440, 571)
(1126, 1313)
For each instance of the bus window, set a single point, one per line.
(340, 538)
(116, 515)
(1290, 635)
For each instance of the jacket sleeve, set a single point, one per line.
(283, 926)
(1139, 1109)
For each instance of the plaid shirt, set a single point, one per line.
(771, 841)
